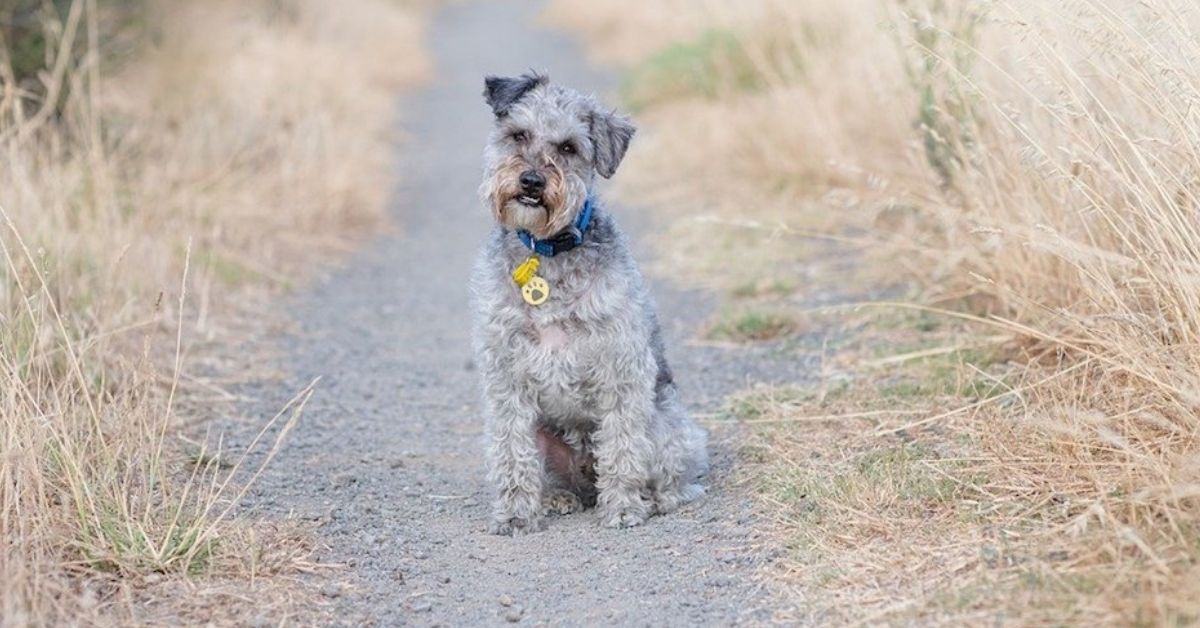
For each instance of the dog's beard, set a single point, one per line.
(517, 215)
(558, 207)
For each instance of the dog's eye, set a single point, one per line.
(520, 137)
(566, 148)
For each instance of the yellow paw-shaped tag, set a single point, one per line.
(535, 291)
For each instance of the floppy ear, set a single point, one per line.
(610, 133)
(501, 92)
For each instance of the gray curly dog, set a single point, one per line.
(580, 404)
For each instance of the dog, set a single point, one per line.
(580, 405)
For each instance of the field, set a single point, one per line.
(1010, 435)
(977, 221)
(167, 165)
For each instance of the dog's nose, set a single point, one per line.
(532, 182)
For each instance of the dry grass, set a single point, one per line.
(1033, 166)
(977, 517)
(216, 152)
(747, 124)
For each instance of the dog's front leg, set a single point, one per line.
(623, 449)
(515, 466)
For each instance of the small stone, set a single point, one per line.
(505, 600)
(398, 576)
(514, 614)
(396, 463)
(420, 554)
(421, 606)
(720, 581)
(331, 590)
(445, 579)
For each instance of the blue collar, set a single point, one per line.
(565, 240)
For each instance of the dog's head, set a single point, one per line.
(547, 145)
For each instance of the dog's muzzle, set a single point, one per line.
(533, 186)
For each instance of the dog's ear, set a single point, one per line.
(501, 92)
(610, 133)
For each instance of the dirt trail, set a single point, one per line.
(388, 454)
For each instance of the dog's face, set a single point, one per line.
(547, 145)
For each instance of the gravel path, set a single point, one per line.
(388, 455)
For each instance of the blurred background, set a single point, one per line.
(978, 219)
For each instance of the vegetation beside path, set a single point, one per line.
(1016, 438)
(166, 164)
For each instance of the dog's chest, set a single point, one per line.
(563, 327)
(562, 363)
(561, 354)
(565, 348)
(553, 342)
(550, 337)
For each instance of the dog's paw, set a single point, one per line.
(561, 503)
(516, 526)
(668, 500)
(622, 517)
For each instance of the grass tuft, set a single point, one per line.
(749, 325)
(704, 67)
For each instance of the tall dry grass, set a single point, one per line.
(749, 111)
(1032, 164)
(148, 192)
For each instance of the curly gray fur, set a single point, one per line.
(589, 365)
